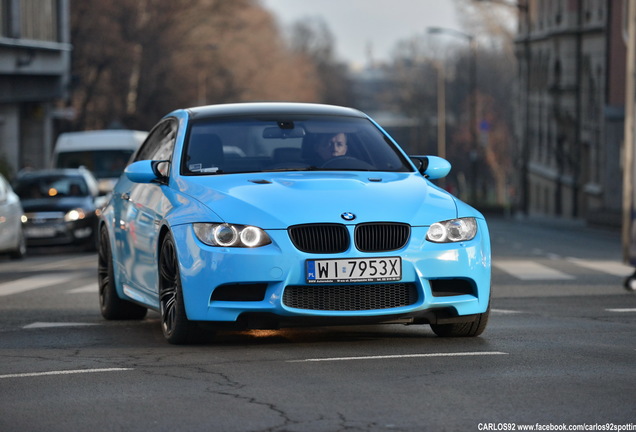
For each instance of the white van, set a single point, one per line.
(104, 152)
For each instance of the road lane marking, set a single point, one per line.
(90, 288)
(33, 282)
(400, 356)
(621, 310)
(505, 311)
(63, 372)
(54, 265)
(529, 270)
(56, 324)
(614, 268)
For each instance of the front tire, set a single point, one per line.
(464, 329)
(110, 305)
(176, 327)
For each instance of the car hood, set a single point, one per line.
(56, 204)
(278, 200)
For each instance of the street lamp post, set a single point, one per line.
(630, 133)
(523, 7)
(473, 101)
(441, 110)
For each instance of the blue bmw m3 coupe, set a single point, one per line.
(270, 215)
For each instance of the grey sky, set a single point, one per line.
(360, 24)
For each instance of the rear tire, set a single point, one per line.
(465, 329)
(21, 250)
(111, 306)
(176, 327)
(92, 244)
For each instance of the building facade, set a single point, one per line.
(569, 128)
(35, 53)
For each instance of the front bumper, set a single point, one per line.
(59, 232)
(450, 282)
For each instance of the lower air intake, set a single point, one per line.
(350, 297)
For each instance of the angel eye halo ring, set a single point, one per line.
(231, 235)
(453, 230)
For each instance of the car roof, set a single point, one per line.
(100, 140)
(53, 172)
(271, 108)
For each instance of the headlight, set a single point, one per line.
(454, 230)
(73, 215)
(229, 235)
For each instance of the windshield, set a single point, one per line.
(286, 144)
(102, 163)
(52, 186)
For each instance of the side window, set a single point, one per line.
(160, 142)
(3, 190)
(165, 146)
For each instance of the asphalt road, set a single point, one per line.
(559, 352)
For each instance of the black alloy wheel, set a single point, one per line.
(466, 329)
(111, 306)
(176, 327)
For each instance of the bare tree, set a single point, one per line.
(135, 60)
(415, 91)
(312, 40)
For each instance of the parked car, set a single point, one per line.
(11, 215)
(104, 152)
(61, 207)
(323, 219)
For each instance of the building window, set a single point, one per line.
(38, 20)
(4, 18)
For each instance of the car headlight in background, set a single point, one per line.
(73, 215)
(454, 230)
(230, 235)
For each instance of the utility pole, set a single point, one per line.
(628, 143)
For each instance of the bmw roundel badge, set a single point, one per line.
(348, 216)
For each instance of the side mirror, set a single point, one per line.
(432, 167)
(147, 171)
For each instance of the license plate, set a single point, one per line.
(354, 270)
(40, 232)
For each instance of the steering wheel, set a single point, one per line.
(346, 162)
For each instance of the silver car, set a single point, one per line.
(11, 215)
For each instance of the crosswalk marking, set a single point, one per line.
(525, 270)
(33, 282)
(530, 270)
(614, 268)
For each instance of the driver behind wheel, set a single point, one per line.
(332, 146)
